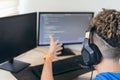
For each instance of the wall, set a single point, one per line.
(67, 5)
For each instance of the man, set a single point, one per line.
(106, 37)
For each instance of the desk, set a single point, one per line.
(34, 57)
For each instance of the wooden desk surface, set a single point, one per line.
(34, 57)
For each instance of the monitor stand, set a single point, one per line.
(66, 51)
(13, 65)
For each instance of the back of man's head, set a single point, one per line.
(107, 24)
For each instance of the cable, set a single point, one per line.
(91, 72)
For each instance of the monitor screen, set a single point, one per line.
(17, 35)
(67, 27)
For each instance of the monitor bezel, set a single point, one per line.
(59, 13)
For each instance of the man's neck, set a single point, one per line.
(108, 65)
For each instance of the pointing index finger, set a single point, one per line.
(51, 38)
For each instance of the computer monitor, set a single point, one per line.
(67, 27)
(17, 35)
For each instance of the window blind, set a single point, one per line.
(8, 7)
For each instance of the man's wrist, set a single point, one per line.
(48, 57)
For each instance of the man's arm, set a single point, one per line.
(47, 73)
(54, 49)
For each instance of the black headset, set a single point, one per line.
(90, 52)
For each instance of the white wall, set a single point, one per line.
(67, 5)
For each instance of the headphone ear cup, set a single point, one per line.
(97, 54)
(86, 57)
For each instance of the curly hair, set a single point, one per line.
(107, 24)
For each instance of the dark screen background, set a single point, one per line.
(17, 35)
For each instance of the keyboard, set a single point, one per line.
(61, 66)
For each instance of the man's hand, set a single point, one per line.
(55, 47)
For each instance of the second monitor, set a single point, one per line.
(67, 27)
